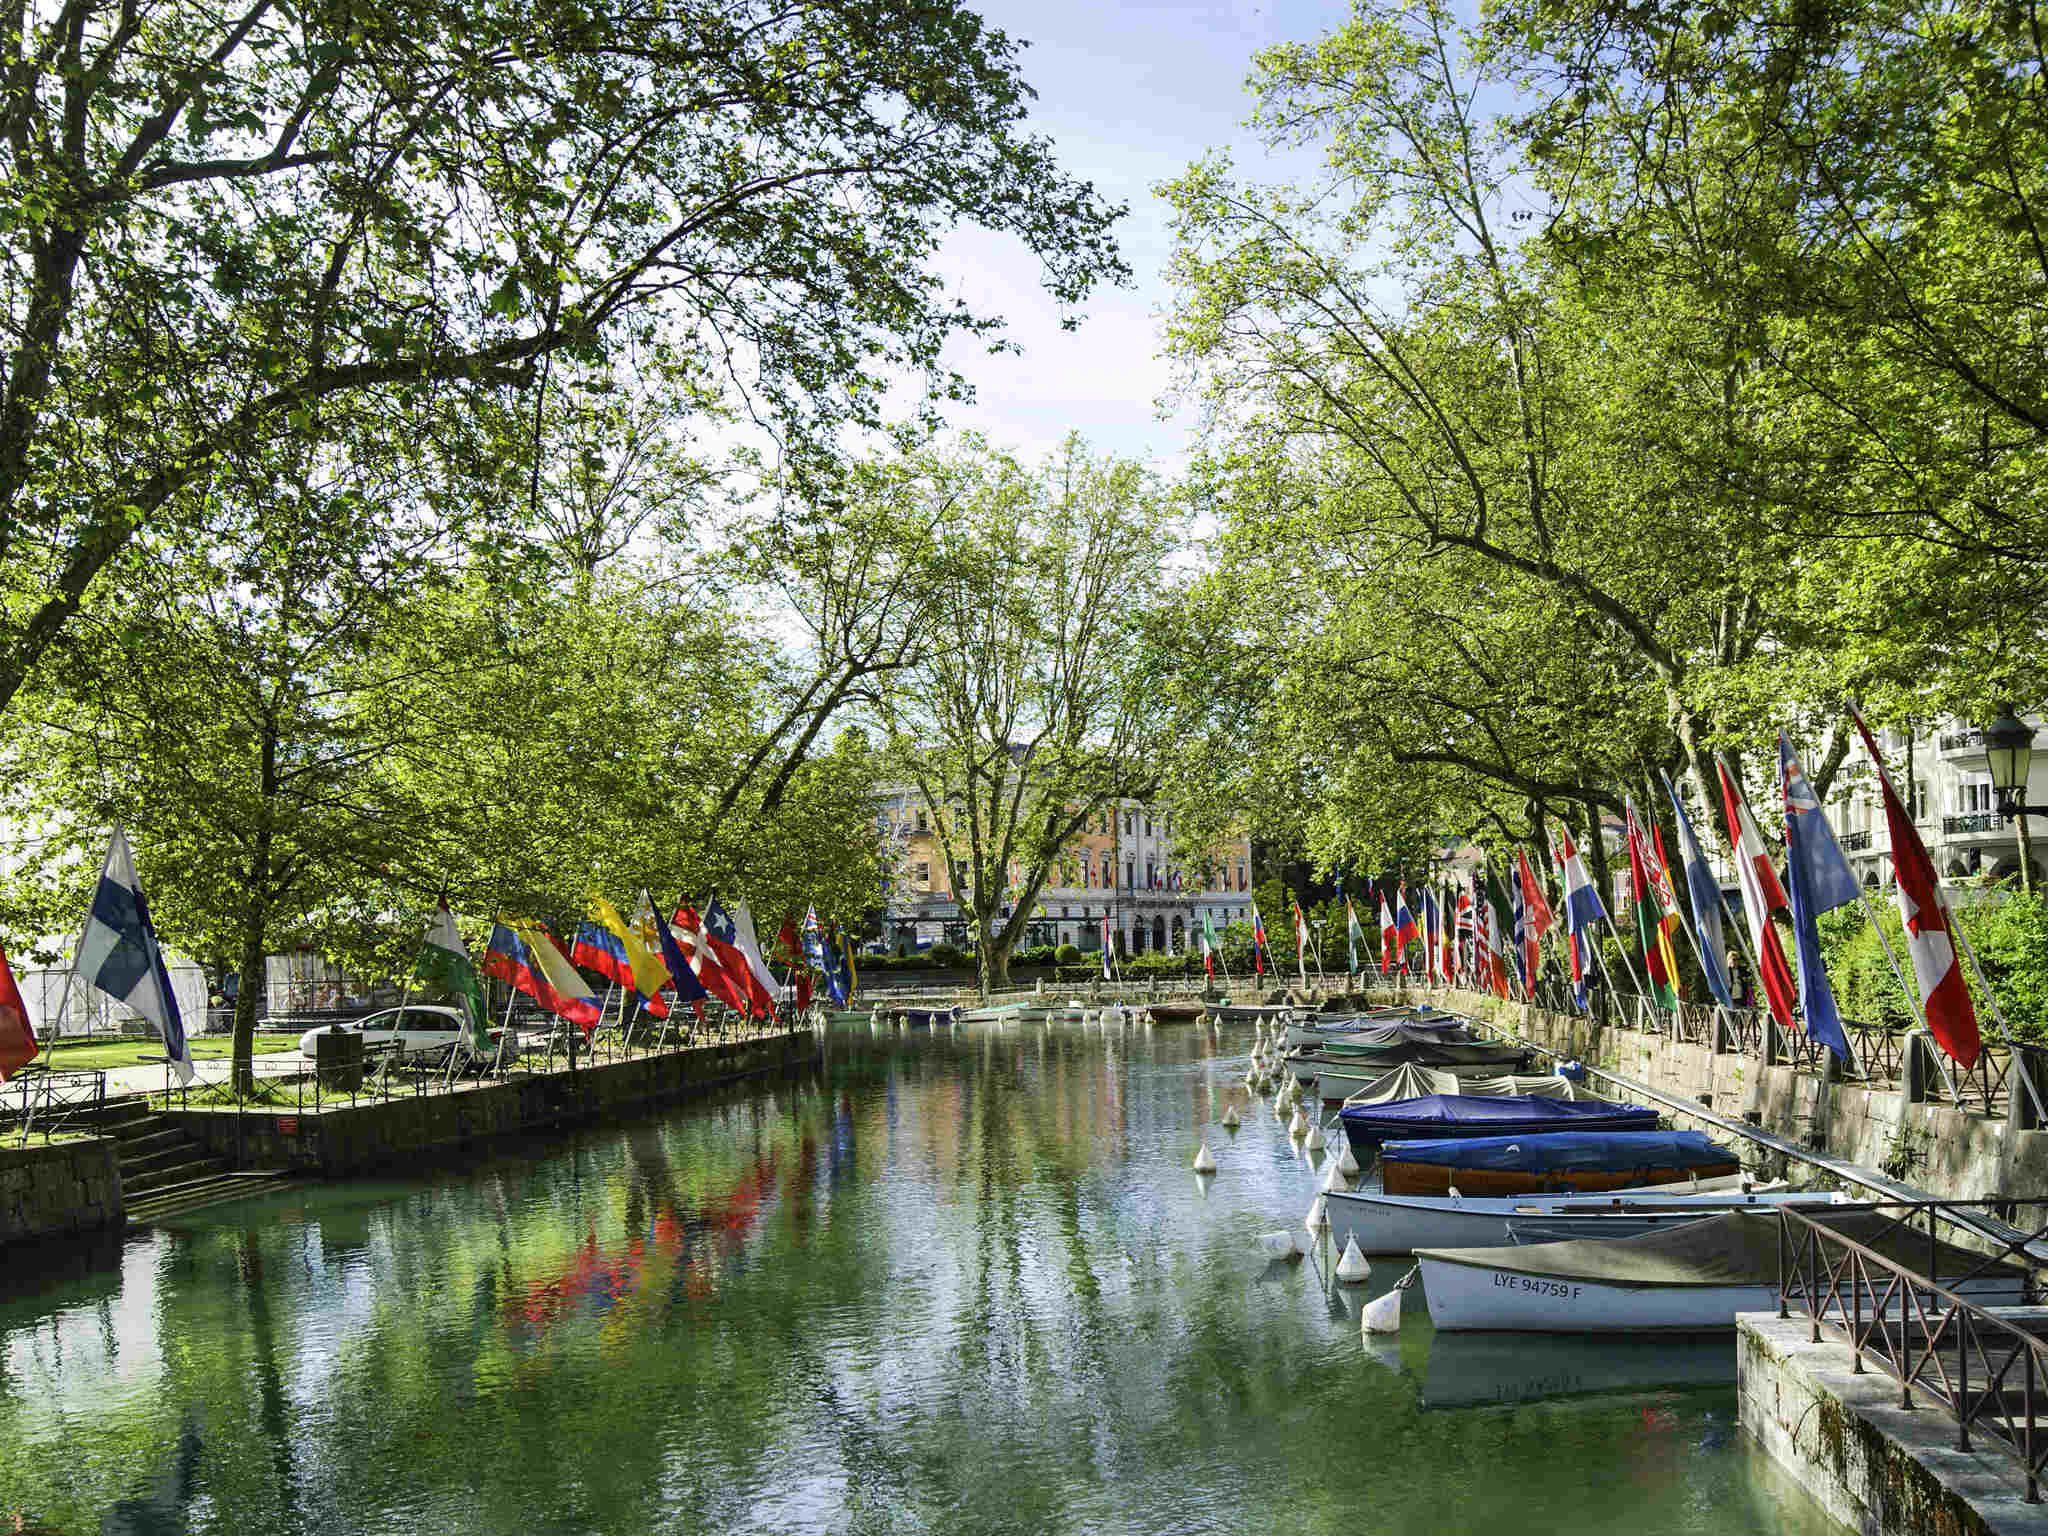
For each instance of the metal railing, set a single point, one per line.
(1972, 821)
(1969, 740)
(1986, 1372)
(39, 1099)
(1853, 842)
(1880, 1049)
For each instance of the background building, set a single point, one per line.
(1124, 867)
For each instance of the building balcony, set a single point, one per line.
(1978, 825)
(1963, 745)
(1855, 842)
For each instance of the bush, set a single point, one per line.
(1066, 954)
(944, 957)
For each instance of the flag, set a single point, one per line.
(1208, 947)
(682, 976)
(118, 953)
(1446, 933)
(1258, 942)
(603, 952)
(704, 962)
(1431, 926)
(524, 956)
(645, 973)
(1495, 933)
(1405, 931)
(1659, 962)
(1820, 880)
(1535, 915)
(1582, 905)
(1704, 893)
(721, 933)
(1105, 948)
(1462, 933)
(1354, 936)
(18, 1046)
(1388, 933)
(1300, 941)
(743, 931)
(444, 960)
(1762, 895)
(1519, 934)
(852, 969)
(791, 953)
(1578, 944)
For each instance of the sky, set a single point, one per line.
(1130, 94)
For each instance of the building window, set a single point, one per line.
(1148, 826)
(921, 822)
(921, 875)
(1130, 874)
(1151, 879)
(1241, 885)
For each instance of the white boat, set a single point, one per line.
(1687, 1280)
(1382, 1223)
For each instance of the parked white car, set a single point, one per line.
(416, 1027)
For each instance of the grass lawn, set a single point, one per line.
(129, 1053)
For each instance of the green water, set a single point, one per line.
(941, 1285)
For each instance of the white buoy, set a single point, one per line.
(1316, 1217)
(1298, 1126)
(1347, 1162)
(1288, 1246)
(1204, 1163)
(1383, 1314)
(1202, 1183)
(1333, 1179)
(1352, 1268)
(1314, 1143)
(1230, 1120)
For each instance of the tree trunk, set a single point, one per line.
(255, 931)
(2026, 837)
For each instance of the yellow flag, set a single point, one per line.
(649, 974)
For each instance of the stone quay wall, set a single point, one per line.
(338, 1140)
(1952, 1153)
(63, 1189)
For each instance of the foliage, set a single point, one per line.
(2009, 932)
(1067, 954)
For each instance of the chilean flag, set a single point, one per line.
(723, 935)
(1950, 1017)
(1762, 895)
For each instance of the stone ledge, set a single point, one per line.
(60, 1190)
(1876, 1467)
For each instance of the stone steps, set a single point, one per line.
(170, 1200)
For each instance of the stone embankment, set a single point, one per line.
(61, 1189)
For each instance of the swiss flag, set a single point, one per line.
(1951, 1018)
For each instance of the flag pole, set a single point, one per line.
(1997, 1014)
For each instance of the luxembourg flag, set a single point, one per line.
(1946, 998)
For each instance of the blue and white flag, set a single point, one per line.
(1705, 892)
(1818, 879)
(118, 953)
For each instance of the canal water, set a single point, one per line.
(943, 1284)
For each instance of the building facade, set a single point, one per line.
(1123, 869)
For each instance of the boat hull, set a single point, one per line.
(1437, 1178)
(1386, 1224)
(1499, 1298)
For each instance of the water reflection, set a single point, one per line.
(950, 1283)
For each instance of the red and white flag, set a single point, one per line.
(730, 988)
(1951, 1018)
(1389, 933)
(18, 1045)
(1762, 895)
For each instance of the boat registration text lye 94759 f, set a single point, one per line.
(1556, 1288)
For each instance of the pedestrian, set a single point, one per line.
(1739, 984)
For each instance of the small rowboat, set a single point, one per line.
(927, 1018)
(1442, 1115)
(1692, 1278)
(1550, 1162)
(1177, 1011)
(1383, 1223)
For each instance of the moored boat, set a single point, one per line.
(1443, 1115)
(1692, 1278)
(1178, 1010)
(1550, 1162)
(1383, 1223)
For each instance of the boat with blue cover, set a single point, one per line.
(1443, 1115)
(1545, 1161)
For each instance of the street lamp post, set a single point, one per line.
(2009, 748)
